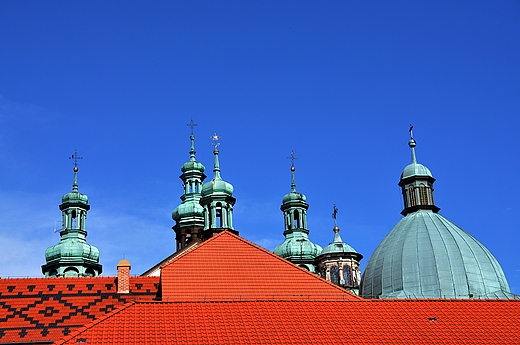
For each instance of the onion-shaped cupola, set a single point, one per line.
(189, 215)
(73, 256)
(427, 256)
(339, 262)
(217, 199)
(297, 247)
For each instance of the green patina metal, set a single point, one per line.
(73, 256)
(297, 247)
(427, 256)
(217, 198)
(189, 215)
(337, 245)
(190, 212)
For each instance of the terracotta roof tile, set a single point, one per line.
(49, 308)
(228, 267)
(308, 322)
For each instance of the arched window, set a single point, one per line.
(218, 215)
(423, 195)
(296, 222)
(411, 196)
(347, 275)
(334, 275)
(71, 272)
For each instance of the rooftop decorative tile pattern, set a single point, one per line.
(47, 309)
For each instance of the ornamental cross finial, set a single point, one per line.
(334, 214)
(192, 125)
(215, 139)
(75, 157)
(292, 158)
(410, 130)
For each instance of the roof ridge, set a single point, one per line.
(256, 246)
(89, 325)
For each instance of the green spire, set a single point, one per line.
(189, 215)
(73, 256)
(217, 199)
(296, 247)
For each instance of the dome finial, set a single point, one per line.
(75, 157)
(412, 144)
(293, 183)
(334, 216)
(216, 167)
(192, 138)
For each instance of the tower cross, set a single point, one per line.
(410, 130)
(292, 157)
(334, 214)
(75, 157)
(192, 125)
(215, 139)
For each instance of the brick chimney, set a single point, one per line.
(123, 276)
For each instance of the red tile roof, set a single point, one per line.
(228, 267)
(307, 322)
(46, 309)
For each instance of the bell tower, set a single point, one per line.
(73, 256)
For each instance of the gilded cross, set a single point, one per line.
(215, 139)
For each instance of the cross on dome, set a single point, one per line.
(192, 125)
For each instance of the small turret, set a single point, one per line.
(217, 199)
(73, 256)
(297, 247)
(189, 215)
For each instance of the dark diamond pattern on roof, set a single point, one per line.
(37, 309)
(441, 322)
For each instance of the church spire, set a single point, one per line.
(296, 247)
(217, 199)
(73, 256)
(416, 184)
(189, 215)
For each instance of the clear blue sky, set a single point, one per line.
(338, 82)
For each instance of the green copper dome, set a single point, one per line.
(73, 256)
(217, 185)
(337, 245)
(414, 169)
(75, 197)
(427, 256)
(192, 165)
(190, 208)
(73, 249)
(298, 247)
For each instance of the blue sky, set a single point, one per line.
(338, 82)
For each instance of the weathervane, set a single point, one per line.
(215, 139)
(334, 214)
(292, 158)
(75, 157)
(192, 125)
(410, 130)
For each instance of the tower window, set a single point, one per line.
(347, 275)
(218, 214)
(334, 275)
(411, 197)
(423, 195)
(296, 221)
